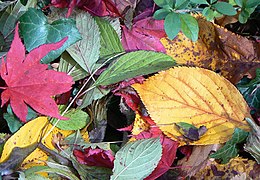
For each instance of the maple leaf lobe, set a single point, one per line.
(29, 82)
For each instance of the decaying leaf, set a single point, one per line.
(217, 49)
(236, 166)
(196, 96)
(16, 158)
(253, 141)
(198, 160)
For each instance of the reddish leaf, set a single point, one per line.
(29, 82)
(145, 35)
(168, 156)
(94, 7)
(95, 157)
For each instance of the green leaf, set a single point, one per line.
(136, 160)
(36, 31)
(67, 174)
(252, 3)
(172, 25)
(189, 26)
(162, 3)
(134, 64)
(225, 8)
(229, 150)
(71, 67)
(161, 14)
(14, 122)
(208, 13)
(200, 1)
(109, 40)
(250, 90)
(4, 4)
(78, 119)
(181, 4)
(94, 94)
(239, 2)
(212, 1)
(243, 16)
(8, 20)
(86, 52)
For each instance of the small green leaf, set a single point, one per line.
(172, 25)
(243, 16)
(136, 160)
(229, 150)
(71, 67)
(161, 14)
(86, 51)
(78, 119)
(181, 4)
(189, 26)
(250, 90)
(162, 3)
(134, 64)
(36, 31)
(208, 13)
(225, 8)
(239, 2)
(200, 1)
(94, 94)
(252, 3)
(14, 122)
(109, 40)
(212, 1)
(67, 174)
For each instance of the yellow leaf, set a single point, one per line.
(140, 125)
(217, 49)
(196, 96)
(28, 134)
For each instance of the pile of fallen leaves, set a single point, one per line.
(96, 90)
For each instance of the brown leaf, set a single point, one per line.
(217, 49)
(198, 160)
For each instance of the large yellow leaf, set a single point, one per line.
(217, 49)
(196, 96)
(28, 134)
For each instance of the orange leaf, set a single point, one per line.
(196, 96)
(217, 49)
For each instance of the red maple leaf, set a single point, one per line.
(29, 82)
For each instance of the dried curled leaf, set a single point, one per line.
(216, 49)
(196, 96)
(235, 167)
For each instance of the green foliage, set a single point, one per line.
(78, 119)
(71, 67)
(86, 51)
(14, 122)
(229, 150)
(250, 90)
(109, 40)
(34, 23)
(134, 64)
(177, 19)
(136, 160)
